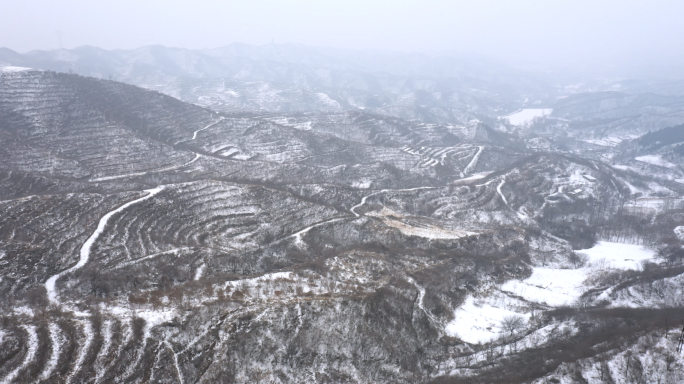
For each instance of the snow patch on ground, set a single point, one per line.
(479, 319)
(659, 204)
(476, 321)
(552, 286)
(655, 160)
(391, 218)
(605, 142)
(152, 317)
(527, 115)
(199, 271)
(473, 177)
(632, 189)
(23, 311)
(679, 231)
(618, 255)
(558, 287)
(623, 167)
(11, 69)
(56, 340)
(362, 184)
(610, 141)
(326, 100)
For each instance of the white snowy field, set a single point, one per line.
(479, 320)
(558, 287)
(610, 141)
(552, 286)
(476, 321)
(617, 255)
(527, 115)
(655, 160)
(10, 68)
(679, 231)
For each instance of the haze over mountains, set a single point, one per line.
(288, 77)
(282, 213)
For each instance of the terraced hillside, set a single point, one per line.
(144, 239)
(287, 78)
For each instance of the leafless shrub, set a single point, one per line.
(512, 324)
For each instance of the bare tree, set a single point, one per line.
(578, 259)
(511, 324)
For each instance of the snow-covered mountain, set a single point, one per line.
(150, 235)
(436, 87)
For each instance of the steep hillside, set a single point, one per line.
(439, 88)
(145, 239)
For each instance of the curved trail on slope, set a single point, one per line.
(107, 178)
(473, 161)
(498, 189)
(421, 297)
(85, 249)
(197, 156)
(30, 354)
(175, 361)
(194, 134)
(83, 352)
(520, 214)
(363, 200)
(135, 261)
(56, 344)
(298, 235)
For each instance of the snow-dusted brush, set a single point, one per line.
(387, 232)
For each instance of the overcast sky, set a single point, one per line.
(528, 32)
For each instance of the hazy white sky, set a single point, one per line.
(522, 31)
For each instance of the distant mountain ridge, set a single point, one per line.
(432, 64)
(446, 87)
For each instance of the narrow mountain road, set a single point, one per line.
(85, 249)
